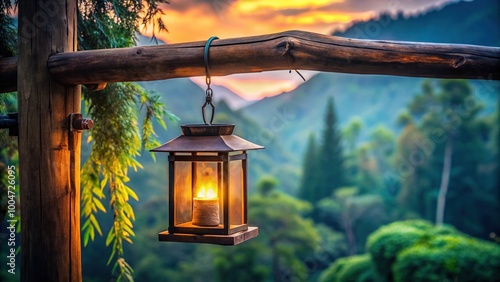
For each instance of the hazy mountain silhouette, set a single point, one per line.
(467, 22)
(378, 99)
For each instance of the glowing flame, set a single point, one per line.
(206, 193)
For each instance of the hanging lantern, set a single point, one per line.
(208, 182)
(208, 186)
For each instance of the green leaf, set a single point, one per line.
(113, 252)
(95, 224)
(110, 237)
(127, 239)
(129, 230)
(99, 205)
(86, 224)
(104, 182)
(92, 233)
(132, 193)
(85, 238)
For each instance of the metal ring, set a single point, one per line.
(205, 58)
(209, 92)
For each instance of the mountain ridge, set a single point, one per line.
(444, 24)
(376, 99)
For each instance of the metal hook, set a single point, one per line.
(209, 91)
(208, 101)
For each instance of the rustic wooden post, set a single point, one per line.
(49, 156)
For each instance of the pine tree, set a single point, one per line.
(331, 171)
(309, 184)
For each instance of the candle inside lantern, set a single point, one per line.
(206, 207)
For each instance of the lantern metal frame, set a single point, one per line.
(214, 145)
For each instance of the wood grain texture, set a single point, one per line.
(49, 156)
(228, 240)
(281, 51)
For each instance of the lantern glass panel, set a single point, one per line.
(183, 193)
(236, 197)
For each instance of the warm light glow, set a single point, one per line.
(206, 193)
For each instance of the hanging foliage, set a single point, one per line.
(116, 138)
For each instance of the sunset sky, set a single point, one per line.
(195, 20)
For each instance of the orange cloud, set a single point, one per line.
(255, 5)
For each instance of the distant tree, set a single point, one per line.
(240, 263)
(309, 183)
(367, 175)
(404, 119)
(331, 170)
(284, 231)
(267, 184)
(414, 193)
(358, 268)
(355, 214)
(387, 242)
(351, 133)
(447, 258)
(445, 155)
(332, 245)
(419, 251)
(383, 145)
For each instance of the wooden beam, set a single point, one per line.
(281, 51)
(49, 155)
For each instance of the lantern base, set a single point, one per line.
(228, 240)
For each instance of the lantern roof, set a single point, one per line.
(207, 138)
